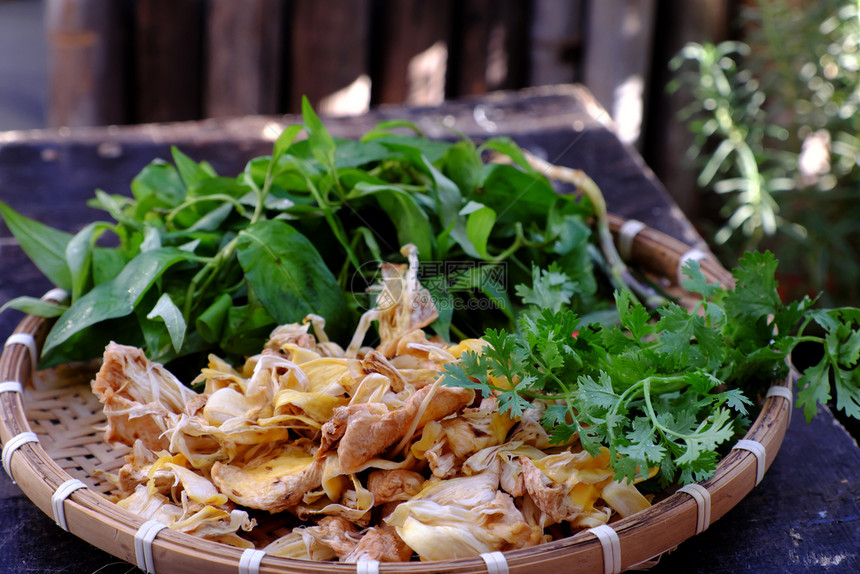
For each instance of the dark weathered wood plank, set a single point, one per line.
(168, 60)
(617, 60)
(243, 57)
(87, 45)
(555, 44)
(328, 55)
(488, 46)
(667, 139)
(410, 51)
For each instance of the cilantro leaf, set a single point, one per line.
(755, 295)
(551, 288)
(814, 388)
(694, 280)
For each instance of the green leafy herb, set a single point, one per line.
(191, 262)
(203, 263)
(661, 393)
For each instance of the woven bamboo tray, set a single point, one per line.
(65, 416)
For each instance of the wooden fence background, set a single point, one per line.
(136, 61)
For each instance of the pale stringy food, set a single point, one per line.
(365, 446)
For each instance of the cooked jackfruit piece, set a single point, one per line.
(566, 486)
(381, 543)
(141, 399)
(446, 532)
(274, 482)
(365, 430)
(394, 485)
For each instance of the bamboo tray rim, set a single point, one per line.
(642, 536)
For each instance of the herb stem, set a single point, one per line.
(194, 200)
(459, 333)
(619, 274)
(518, 242)
(646, 389)
(209, 271)
(334, 224)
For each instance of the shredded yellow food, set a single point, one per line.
(365, 445)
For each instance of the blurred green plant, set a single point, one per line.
(777, 138)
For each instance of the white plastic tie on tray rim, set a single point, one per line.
(611, 545)
(626, 235)
(784, 392)
(57, 294)
(703, 504)
(28, 341)
(59, 497)
(249, 563)
(14, 444)
(11, 387)
(143, 544)
(367, 567)
(760, 453)
(691, 255)
(496, 562)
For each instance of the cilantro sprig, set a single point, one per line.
(663, 391)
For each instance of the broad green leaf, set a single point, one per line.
(321, 143)
(158, 185)
(190, 171)
(353, 154)
(157, 341)
(508, 147)
(412, 148)
(213, 220)
(284, 141)
(90, 342)
(167, 311)
(385, 129)
(370, 241)
(515, 195)
(247, 330)
(210, 323)
(444, 303)
(219, 189)
(44, 245)
(107, 264)
(116, 206)
(462, 165)
(449, 202)
(408, 218)
(33, 306)
(479, 225)
(471, 207)
(151, 239)
(287, 274)
(79, 255)
(116, 298)
(493, 285)
(566, 227)
(351, 177)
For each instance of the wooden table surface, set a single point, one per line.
(803, 517)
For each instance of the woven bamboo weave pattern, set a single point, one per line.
(60, 408)
(69, 420)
